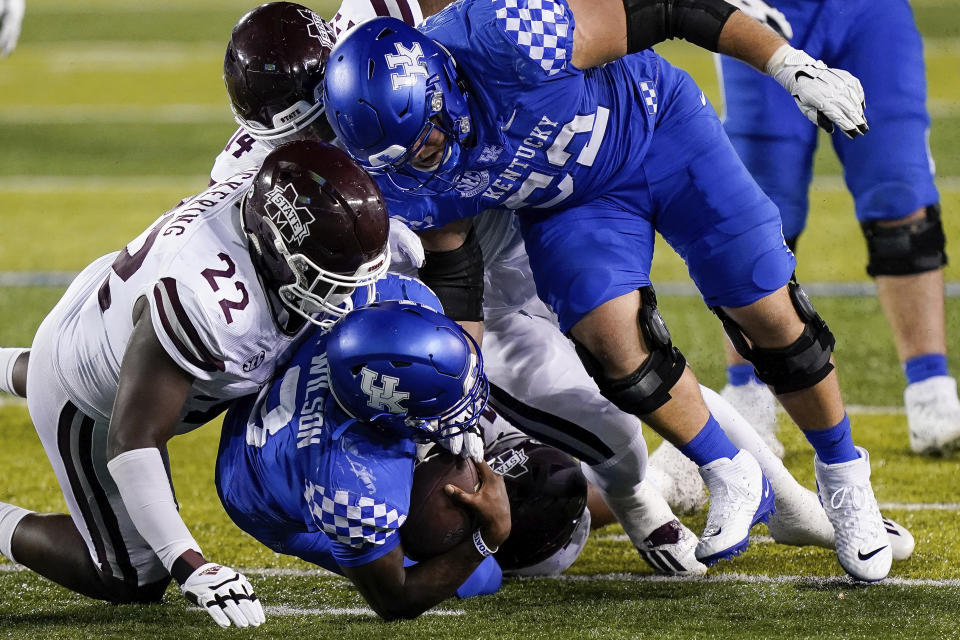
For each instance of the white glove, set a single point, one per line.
(406, 250)
(11, 17)
(770, 16)
(467, 444)
(826, 96)
(225, 594)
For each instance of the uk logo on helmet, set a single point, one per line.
(383, 397)
(317, 28)
(411, 61)
(292, 222)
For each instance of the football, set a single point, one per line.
(435, 523)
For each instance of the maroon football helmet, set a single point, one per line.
(548, 495)
(318, 227)
(274, 69)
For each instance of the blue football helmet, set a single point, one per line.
(407, 369)
(387, 88)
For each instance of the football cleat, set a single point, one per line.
(676, 478)
(901, 540)
(862, 542)
(756, 403)
(933, 415)
(740, 497)
(671, 550)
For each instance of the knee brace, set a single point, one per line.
(797, 366)
(648, 388)
(906, 249)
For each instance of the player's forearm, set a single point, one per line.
(141, 478)
(430, 7)
(415, 589)
(746, 39)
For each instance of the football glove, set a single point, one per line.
(225, 594)
(770, 16)
(467, 444)
(406, 250)
(11, 17)
(826, 96)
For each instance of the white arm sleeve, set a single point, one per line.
(145, 489)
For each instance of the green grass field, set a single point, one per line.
(111, 111)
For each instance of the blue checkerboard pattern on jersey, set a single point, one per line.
(352, 520)
(542, 28)
(649, 94)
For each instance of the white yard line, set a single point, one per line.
(282, 610)
(838, 581)
(109, 113)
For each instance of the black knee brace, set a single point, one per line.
(648, 388)
(797, 366)
(906, 249)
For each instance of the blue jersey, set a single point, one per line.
(548, 135)
(284, 479)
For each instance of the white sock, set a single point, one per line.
(10, 517)
(8, 358)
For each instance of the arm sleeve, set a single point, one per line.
(144, 487)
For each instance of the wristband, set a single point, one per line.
(482, 546)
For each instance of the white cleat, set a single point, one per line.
(933, 415)
(740, 497)
(676, 478)
(801, 521)
(901, 540)
(671, 550)
(862, 542)
(758, 405)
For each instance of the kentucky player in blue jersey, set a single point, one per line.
(889, 174)
(533, 105)
(320, 464)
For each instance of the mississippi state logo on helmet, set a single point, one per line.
(548, 495)
(318, 229)
(273, 69)
(408, 369)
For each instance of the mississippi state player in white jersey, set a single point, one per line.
(155, 339)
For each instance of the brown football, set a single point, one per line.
(435, 523)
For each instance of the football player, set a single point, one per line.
(538, 109)
(320, 464)
(560, 405)
(154, 340)
(889, 174)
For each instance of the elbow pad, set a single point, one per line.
(653, 21)
(457, 279)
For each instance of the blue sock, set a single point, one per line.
(709, 445)
(925, 366)
(741, 374)
(835, 444)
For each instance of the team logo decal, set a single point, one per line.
(385, 396)
(254, 362)
(292, 221)
(411, 62)
(472, 183)
(511, 463)
(489, 154)
(317, 28)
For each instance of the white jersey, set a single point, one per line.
(208, 308)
